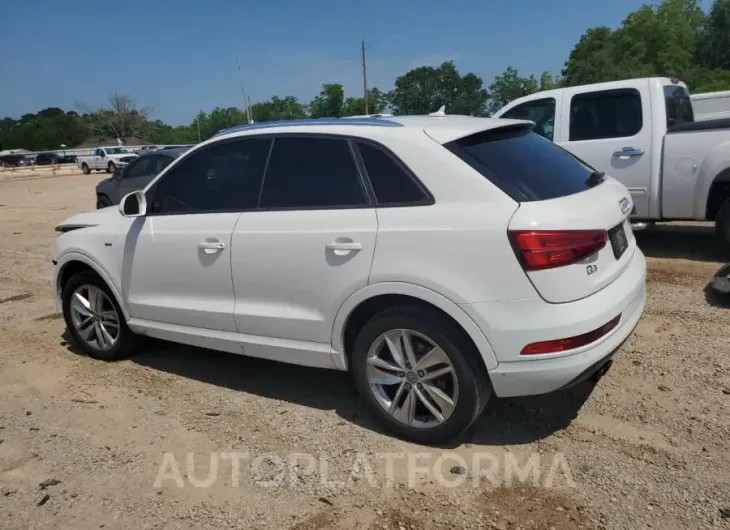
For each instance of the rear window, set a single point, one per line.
(678, 105)
(523, 164)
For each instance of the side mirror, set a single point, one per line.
(133, 204)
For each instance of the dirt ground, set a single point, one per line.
(87, 444)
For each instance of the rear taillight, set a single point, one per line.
(561, 345)
(547, 249)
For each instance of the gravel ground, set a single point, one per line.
(86, 444)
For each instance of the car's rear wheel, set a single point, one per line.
(85, 168)
(111, 168)
(419, 374)
(102, 201)
(94, 319)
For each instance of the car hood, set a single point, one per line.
(92, 218)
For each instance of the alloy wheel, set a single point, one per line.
(94, 317)
(412, 378)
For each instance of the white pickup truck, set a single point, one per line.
(106, 158)
(643, 133)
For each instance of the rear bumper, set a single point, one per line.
(509, 326)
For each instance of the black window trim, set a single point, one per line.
(625, 89)
(366, 186)
(427, 200)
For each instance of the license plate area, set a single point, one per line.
(619, 241)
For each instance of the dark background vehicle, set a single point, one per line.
(134, 176)
(14, 161)
(66, 159)
(46, 159)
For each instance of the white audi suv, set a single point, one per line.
(438, 259)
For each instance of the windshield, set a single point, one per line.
(678, 104)
(115, 151)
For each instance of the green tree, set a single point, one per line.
(425, 89)
(713, 42)
(510, 85)
(286, 108)
(329, 103)
(377, 103)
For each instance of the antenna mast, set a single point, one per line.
(246, 106)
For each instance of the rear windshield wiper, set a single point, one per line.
(595, 178)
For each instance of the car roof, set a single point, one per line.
(172, 152)
(442, 128)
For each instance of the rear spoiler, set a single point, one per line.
(458, 128)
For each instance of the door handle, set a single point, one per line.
(628, 152)
(342, 248)
(211, 247)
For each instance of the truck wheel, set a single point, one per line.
(85, 169)
(111, 167)
(722, 223)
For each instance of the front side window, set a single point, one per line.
(224, 176)
(613, 113)
(312, 172)
(540, 111)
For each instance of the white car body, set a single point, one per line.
(106, 158)
(283, 284)
(711, 105)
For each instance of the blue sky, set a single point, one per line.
(180, 57)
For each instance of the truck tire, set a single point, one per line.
(111, 167)
(85, 168)
(722, 223)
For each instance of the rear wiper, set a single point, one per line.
(595, 178)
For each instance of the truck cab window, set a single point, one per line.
(606, 114)
(540, 111)
(678, 105)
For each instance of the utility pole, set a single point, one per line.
(246, 108)
(197, 121)
(364, 77)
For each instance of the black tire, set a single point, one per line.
(722, 224)
(473, 380)
(102, 201)
(85, 169)
(126, 341)
(110, 168)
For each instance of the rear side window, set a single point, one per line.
(606, 114)
(678, 105)
(523, 164)
(391, 183)
(312, 173)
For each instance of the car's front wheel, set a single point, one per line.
(111, 168)
(419, 374)
(102, 201)
(94, 319)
